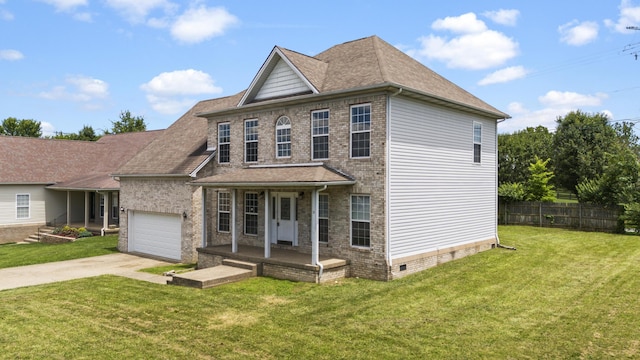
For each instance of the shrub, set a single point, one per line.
(511, 192)
(631, 216)
(72, 232)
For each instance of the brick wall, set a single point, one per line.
(369, 173)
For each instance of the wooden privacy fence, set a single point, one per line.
(565, 215)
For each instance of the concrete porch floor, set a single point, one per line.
(279, 256)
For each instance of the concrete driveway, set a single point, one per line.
(112, 264)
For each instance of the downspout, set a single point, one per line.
(316, 255)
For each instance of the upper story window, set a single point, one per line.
(224, 142)
(477, 142)
(283, 137)
(320, 135)
(361, 131)
(23, 202)
(251, 140)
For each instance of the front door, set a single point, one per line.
(285, 218)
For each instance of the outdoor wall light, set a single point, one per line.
(184, 214)
(301, 195)
(121, 209)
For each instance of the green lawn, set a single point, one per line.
(27, 254)
(562, 294)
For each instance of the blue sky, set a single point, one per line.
(69, 63)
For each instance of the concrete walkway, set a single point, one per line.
(113, 264)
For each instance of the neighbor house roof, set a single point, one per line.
(282, 176)
(182, 148)
(69, 164)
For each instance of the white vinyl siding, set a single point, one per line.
(37, 205)
(438, 198)
(281, 81)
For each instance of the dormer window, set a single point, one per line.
(283, 137)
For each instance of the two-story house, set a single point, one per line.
(359, 154)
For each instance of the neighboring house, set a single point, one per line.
(358, 153)
(57, 182)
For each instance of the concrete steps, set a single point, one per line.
(229, 271)
(34, 238)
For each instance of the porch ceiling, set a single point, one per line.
(278, 176)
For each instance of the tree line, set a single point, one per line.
(32, 128)
(588, 155)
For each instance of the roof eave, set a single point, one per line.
(297, 184)
(150, 175)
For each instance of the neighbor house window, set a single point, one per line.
(224, 211)
(101, 206)
(114, 205)
(360, 131)
(283, 137)
(477, 142)
(251, 141)
(323, 218)
(320, 135)
(23, 204)
(360, 220)
(251, 213)
(224, 141)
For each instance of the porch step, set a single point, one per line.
(242, 265)
(210, 277)
(34, 238)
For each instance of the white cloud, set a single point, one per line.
(463, 24)
(6, 15)
(169, 92)
(503, 17)
(476, 47)
(629, 16)
(202, 23)
(555, 104)
(504, 75)
(47, 128)
(78, 88)
(11, 55)
(577, 34)
(556, 98)
(65, 5)
(137, 11)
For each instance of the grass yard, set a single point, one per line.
(562, 294)
(12, 255)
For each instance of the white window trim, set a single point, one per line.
(284, 126)
(101, 206)
(248, 213)
(476, 123)
(251, 141)
(351, 132)
(351, 222)
(224, 143)
(327, 134)
(28, 206)
(224, 212)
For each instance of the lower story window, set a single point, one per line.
(360, 220)
(251, 213)
(224, 212)
(22, 206)
(323, 218)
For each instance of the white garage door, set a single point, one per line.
(155, 234)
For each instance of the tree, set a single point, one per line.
(87, 134)
(127, 123)
(581, 144)
(518, 150)
(25, 127)
(538, 185)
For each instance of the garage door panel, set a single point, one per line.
(156, 234)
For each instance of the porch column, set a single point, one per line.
(267, 231)
(68, 208)
(86, 209)
(203, 211)
(105, 213)
(315, 244)
(234, 239)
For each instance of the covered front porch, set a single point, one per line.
(279, 227)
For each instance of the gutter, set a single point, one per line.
(149, 175)
(271, 184)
